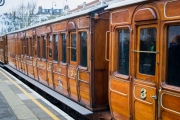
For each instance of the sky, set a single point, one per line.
(10, 4)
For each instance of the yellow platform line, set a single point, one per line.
(34, 100)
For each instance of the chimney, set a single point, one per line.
(84, 4)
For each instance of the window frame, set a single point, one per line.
(79, 48)
(139, 75)
(116, 51)
(70, 48)
(165, 58)
(61, 47)
(42, 47)
(34, 46)
(48, 46)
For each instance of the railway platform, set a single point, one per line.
(19, 102)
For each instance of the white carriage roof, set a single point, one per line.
(61, 18)
(123, 3)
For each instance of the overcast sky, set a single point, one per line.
(9, 4)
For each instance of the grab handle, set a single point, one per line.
(106, 46)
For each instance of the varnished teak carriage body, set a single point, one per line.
(135, 46)
(66, 55)
(143, 70)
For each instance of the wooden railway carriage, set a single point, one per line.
(3, 47)
(144, 79)
(66, 54)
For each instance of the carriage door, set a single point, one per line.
(50, 59)
(119, 82)
(146, 69)
(72, 70)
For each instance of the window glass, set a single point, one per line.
(73, 49)
(123, 51)
(35, 46)
(38, 47)
(24, 46)
(64, 48)
(44, 47)
(147, 47)
(30, 47)
(50, 46)
(173, 56)
(56, 47)
(83, 49)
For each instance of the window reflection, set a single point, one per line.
(38, 47)
(73, 49)
(30, 47)
(173, 56)
(83, 49)
(35, 46)
(147, 44)
(64, 48)
(50, 46)
(44, 47)
(56, 47)
(123, 52)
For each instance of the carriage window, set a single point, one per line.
(56, 47)
(44, 47)
(173, 56)
(83, 49)
(38, 47)
(123, 51)
(24, 46)
(147, 48)
(50, 46)
(73, 47)
(30, 47)
(35, 46)
(27, 51)
(64, 48)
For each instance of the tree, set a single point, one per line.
(25, 13)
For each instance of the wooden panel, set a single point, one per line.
(59, 27)
(50, 79)
(61, 84)
(72, 73)
(173, 106)
(150, 91)
(40, 30)
(71, 26)
(49, 75)
(120, 16)
(84, 76)
(171, 7)
(29, 33)
(73, 89)
(119, 98)
(60, 69)
(145, 14)
(119, 86)
(42, 72)
(83, 22)
(48, 30)
(84, 93)
(30, 68)
(169, 116)
(143, 111)
(144, 105)
(35, 69)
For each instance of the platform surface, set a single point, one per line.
(19, 102)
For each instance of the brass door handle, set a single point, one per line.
(154, 97)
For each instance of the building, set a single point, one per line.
(94, 3)
(49, 11)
